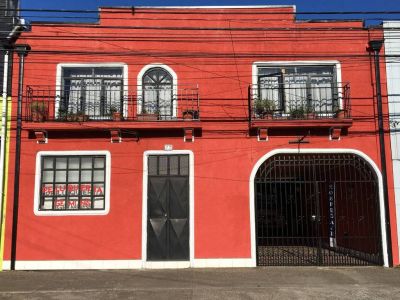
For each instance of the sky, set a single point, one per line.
(301, 6)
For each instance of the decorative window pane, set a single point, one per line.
(47, 176)
(91, 91)
(299, 88)
(86, 176)
(174, 165)
(163, 165)
(73, 163)
(98, 203)
(61, 176)
(61, 163)
(99, 163)
(47, 189)
(48, 163)
(152, 165)
(184, 165)
(158, 92)
(73, 189)
(47, 203)
(86, 163)
(73, 203)
(98, 189)
(98, 175)
(72, 183)
(73, 176)
(60, 189)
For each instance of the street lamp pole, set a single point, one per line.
(22, 51)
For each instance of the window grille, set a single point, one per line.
(289, 89)
(91, 91)
(158, 93)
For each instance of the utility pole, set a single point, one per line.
(22, 51)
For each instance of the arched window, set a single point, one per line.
(157, 84)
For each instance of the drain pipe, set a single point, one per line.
(3, 136)
(375, 47)
(22, 51)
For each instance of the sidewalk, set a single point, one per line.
(255, 283)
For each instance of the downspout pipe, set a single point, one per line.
(375, 47)
(3, 133)
(22, 51)
(17, 31)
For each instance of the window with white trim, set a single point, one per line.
(72, 183)
(158, 97)
(303, 87)
(95, 92)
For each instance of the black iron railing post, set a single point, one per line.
(100, 104)
(249, 104)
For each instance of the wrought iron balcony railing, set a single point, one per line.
(300, 102)
(111, 103)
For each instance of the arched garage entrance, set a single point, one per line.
(317, 209)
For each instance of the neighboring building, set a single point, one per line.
(200, 137)
(8, 19)
(392, 52)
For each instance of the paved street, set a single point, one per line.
(256, 283)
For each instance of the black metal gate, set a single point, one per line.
(168, 208)
(317, 209)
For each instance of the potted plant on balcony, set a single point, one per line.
(115, 113)
(39, 111)
(190, 114)
(340, 114)
(310, 113)
(146, 116)
(264, 108)
(62, 114)
(79, 116)
(298, 113)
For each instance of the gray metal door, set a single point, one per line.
(168, 208)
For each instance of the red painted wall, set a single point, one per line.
(220, 61)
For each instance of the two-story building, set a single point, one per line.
(169, 137)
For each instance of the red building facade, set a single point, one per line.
(199, 137)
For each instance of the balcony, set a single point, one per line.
(111, 105)
(299, 105)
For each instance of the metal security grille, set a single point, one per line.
(317, 209)
(93, 92)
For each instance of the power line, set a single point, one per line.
(296, 27)
(200, 10)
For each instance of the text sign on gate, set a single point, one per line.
(332, 214)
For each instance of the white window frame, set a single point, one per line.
(283, 63)
(140, 87)
(59, 78)
(36, 201)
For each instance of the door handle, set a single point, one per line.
(315, 218)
